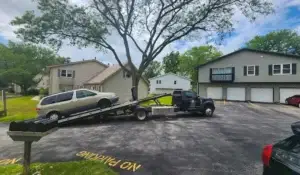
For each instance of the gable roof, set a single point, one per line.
(250, 50)
(106, 74)
(78, 62)
(171, 74)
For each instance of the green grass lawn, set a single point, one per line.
(19, 108)
(62, 168)
(163, 100)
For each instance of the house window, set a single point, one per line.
(69, 73)
(227, 70)
(281, 69)
(286, 69)
(250, 70)
(158, 81)
(63, 73)
(222, 74)
(175, 82)
(66, 73)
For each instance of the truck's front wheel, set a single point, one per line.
(208, 111)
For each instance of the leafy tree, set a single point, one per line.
(148, 25)
(195, 57)
(21, 62)
(283, 41)
(153, 70)
(171, 62)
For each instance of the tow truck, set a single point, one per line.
(182, 100)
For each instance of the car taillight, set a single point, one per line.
(37, 109)
(266, 154)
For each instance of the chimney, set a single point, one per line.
(82, 59)
(95, 58)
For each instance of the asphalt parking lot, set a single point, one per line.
(228, 143)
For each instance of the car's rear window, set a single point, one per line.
(64, 97)
(49, 100)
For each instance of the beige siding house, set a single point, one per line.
(114, 79)
(94, 75)
(72, 76)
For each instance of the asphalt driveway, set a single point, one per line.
(228, 143)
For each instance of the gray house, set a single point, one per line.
(250, 75)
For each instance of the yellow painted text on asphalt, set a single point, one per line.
(110, 161)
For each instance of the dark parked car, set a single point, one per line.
(293, 100)
(283, 158)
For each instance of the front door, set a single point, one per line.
(85, 100)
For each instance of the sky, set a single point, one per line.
(286, 16)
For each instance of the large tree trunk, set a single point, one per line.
(135, 85)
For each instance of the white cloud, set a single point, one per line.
(297, 29)
(244, 31)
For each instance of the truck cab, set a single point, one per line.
(186, 100)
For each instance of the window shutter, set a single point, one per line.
(58, 73)
(245, 70)
(73, 73)
(256, 70)
(270, 69)
(210, 74)
(294, 68)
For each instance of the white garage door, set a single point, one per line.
(214, 92)
(237, 94)
(262, 95)
(288, 92)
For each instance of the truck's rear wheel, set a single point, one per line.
(141, 115)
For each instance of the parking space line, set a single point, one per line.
(254, 105)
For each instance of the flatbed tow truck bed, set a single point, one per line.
(126, 108)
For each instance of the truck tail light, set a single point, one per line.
(266, 155)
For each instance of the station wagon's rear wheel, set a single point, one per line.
(53, 116)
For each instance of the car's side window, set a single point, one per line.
(65, 97)
(89, 93)
(49, 100)
(80, 94)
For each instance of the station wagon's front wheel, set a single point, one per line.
(104, 103)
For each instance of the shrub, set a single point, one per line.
(32, 92)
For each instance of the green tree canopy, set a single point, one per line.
(20, 63)
(153, 70)
(171, 63)
(282, 41)
(195, 57)
(147, 25)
